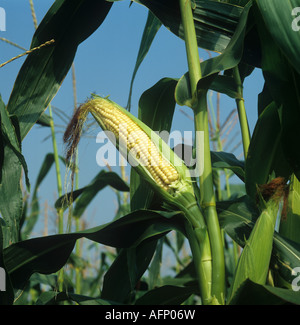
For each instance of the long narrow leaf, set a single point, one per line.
(11, 163)
(215, 22)
(48, 254)
(282, 80)
(85, 195)
(228, 161)
(281, 21)
(122, 277)
(290, 224)
(262, 150)
(251, 293)
(230, 58)
(237, 218)
(68, 22)
(151, 28)
(6, 289)
(254, 261)
(54, 298)
(167, 295)
(32, 218)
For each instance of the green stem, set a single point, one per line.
(201, 261)
(78, 253)
(208, 204)
(78, 272)
(198, 238)
(191, 44)
(206, 181)
(57, 169)
(242, 111)
(59, 189)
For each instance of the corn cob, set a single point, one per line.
(151, 157)
(138, 143)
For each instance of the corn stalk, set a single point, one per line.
(206, 181)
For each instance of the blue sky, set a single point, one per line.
(104, 64)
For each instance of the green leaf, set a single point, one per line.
(264, 99)
(151, 28)
(155, 266)
(229, 161)
(11, 163)
(282, 22)
(157, 105)
(44, 120)
(167, 295)
(219, 159)
(54, 297)
(251, 293)
(6, 289)
(10, 174)
(255, 257)
(282, 81)
(236, 190)
(125, 272)
(68, 22)
(290, 224)
(241, 3)
(122, 277)
(48, 254)
(237, 218)
(32, 219)
(11, 135)
(215, 22)
(141, 196)
(102, 180)
(225, 85)
(11, 198)
(186, 277)
(85, 195)
(230, 58)
(265, 156)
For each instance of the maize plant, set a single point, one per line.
(231, 224)
(145, 150)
